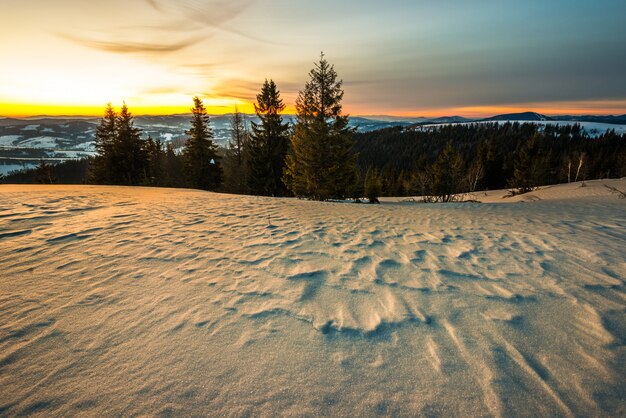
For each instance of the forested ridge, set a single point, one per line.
(320, 157)
(489, 154)
(403, 158)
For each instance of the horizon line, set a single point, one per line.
(365, 115)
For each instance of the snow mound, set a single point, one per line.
(583, 191)
(129, 301)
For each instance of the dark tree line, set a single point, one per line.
(122, 155)
(67, 172)
(125, 158)
(313, 159)
(453, 159)
(255, 158)
(395, 162)
(321, 158)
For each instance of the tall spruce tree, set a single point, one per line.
(321, 164)
(269, 143)
(122, 156)
(102, 168)
(202, 165)
(130, 151)
(447, 174)
(526, 170)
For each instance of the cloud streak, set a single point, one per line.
(129, 47)
(154, 4)
(163, 90)
(212, 14)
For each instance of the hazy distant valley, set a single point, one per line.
(23, 142)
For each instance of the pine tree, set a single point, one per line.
(154, 169)
(446, 174)
(373, 185)
(321, 164)
(525, 173)
(130, 154)
(122, 156)
(202, 165)
(102, 169)
(235, 164)
(173, 169)
(269, 143)
(43, 173)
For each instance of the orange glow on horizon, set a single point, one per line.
(548, 109)
(32, 110)
(225, 106)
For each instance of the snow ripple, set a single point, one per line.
(125, 301)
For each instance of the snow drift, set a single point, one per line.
(136, 301)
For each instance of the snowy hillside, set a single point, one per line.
(23, 142)
(60, 134)
(138, 301)
(593, 129)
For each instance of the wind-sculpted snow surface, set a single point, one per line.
(131, 301)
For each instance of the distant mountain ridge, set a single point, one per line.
(68, 133)
(450, 119)
(533, 116)
(362, 119)
(524, 116)
(23, 141)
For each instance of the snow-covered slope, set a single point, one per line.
(133, 301)
(593, 129)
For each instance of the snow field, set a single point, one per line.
(127, 301)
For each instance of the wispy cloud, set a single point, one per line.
(242, 89)
(248, 89)
(212, 14)
(182, 25)
(129, 47)
(208, 67)
(154, 4)
(163, 90)
(194, 18)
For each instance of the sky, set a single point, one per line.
(405, 58)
